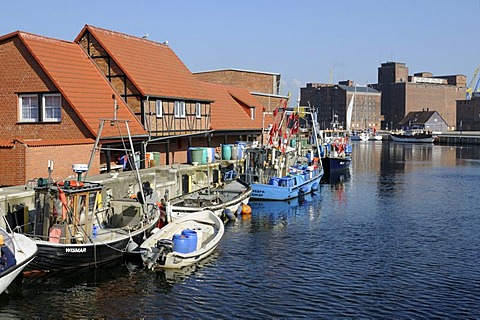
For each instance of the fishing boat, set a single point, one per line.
(73, 227)
(225, 200)
(359, 136)
(415, 136)
(336, 148)
(183, 242)
(281, 170)
(17, 251)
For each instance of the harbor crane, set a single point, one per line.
(475, 80)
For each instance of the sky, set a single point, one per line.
(303, 40)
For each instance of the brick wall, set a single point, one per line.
(21, 163)
(63, 157)
(438, 98)
(253, 81)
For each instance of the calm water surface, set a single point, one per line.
(396, 237)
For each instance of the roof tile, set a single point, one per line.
(153, 67)
(231, 109)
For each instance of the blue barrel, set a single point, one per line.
(192, 239)
(226, 152)
(180, 243)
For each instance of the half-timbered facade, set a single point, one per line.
(154, 83)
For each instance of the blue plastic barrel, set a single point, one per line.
(180, 243)
(192, 239)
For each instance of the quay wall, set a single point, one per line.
(172, 181)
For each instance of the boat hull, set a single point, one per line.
(417, 138)
(240, 190)
(56, 256)
(333, 164)
(277, 192)
(25, 251)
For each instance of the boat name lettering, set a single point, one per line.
(75, 250)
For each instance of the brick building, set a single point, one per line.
(54, 92)
(468, 114)
(330, 100)
(402, 93)
(264, 86)
(51, 99)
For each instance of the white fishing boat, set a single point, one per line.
(413, 136)
(225, 200)
(183, 242)
(17, 251)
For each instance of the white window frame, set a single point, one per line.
(57, 109)
(179, 109)
(159, 108)
(30, 109)
(198, 110)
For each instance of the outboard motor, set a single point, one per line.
(164, 246)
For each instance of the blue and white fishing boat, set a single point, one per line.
(336, 149)
(281, 170)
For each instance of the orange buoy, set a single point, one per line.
(246, 209)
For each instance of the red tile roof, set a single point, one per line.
(55, 142)
(4, 143)
(231, 109)
(153, 67)
(80, 82)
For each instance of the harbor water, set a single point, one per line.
(396, 237)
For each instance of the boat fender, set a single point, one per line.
(132, 246)
(246, 209)
(229, 214)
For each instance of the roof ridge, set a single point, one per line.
(129, 36)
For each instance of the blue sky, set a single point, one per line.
(303, 40)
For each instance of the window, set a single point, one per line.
(28, 108)
(179, 109)
(52, 107)
(159, 108)
(198, 110)
(38, 107)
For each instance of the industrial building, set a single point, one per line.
(402, 94)
(331, 100)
